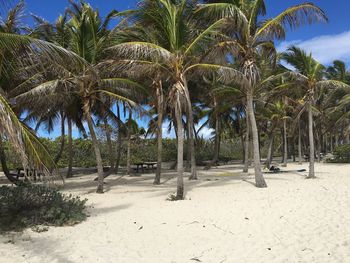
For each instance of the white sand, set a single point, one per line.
(223, 220)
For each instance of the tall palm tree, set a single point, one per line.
(178, 48)
(247, 36)
(88, 80)
(309, 74)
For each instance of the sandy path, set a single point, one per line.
(225, 219)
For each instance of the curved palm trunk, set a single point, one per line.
(312, 144)
(190, 122)
(259, 178)
(63, 140)
(5, 169)
(96, 148)
(160, 98)
(285, 144)
(70, 149)
(180, 149)
(299, 143)
(246, 145)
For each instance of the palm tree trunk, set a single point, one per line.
(312, 144)
(299, 143)
(336, 139)
(119, 141)
(63, 140)
(180, 150)
(217, 135)
(259, 178)
(160, 98)
(96, 148)
(110, 146)
(270, 151)
(332, 146)
(318, 139)
(190, 123)
(239, 120)
(128, 155)
(70, 149)
(246, 146)
(5, 169)
(285, 144)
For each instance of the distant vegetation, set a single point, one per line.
(342, 154)
(142, 150)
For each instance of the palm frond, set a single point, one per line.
(292, 17)
(142, 51)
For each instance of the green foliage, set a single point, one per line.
(144, 150)
(342, 154)
(31, 205)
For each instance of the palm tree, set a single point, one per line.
(338, 71)
(176, 49)
(309, 75)
(31, 152)
(247, 36)
(88, 80)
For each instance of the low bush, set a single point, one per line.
(31, 205)
(341, 154)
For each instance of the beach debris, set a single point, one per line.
(196, 259)
(140, 227)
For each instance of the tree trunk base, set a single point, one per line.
(260, 183)
(156, 181)
(179, 193)
(99, 190)
(311, 177)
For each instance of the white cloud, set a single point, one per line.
(167, 134)
(325, 48)
(205, 132)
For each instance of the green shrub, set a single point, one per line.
(342, 154)
(30, 205)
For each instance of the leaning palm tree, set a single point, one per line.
(247, 36)
(24, 142)
(31, 152)
(177, 48)
(309, 74)
(85, 80)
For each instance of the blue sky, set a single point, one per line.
(327, 42)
